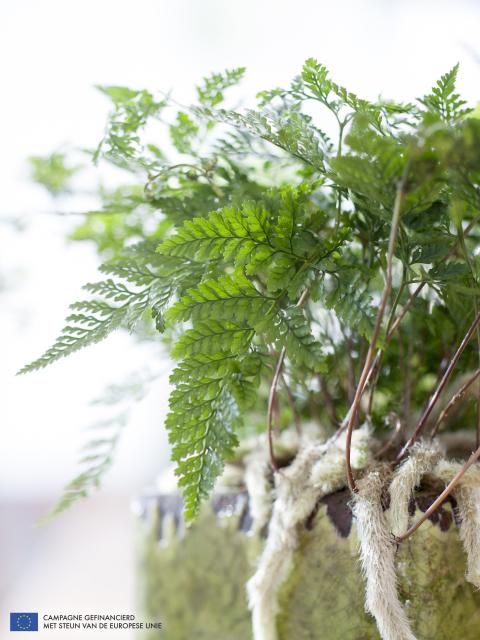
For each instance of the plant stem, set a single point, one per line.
(453, 401)
(378, 357)
(440, 387)
(419, 288)
(367, 367)
(442, 497)
(341, 125)
(350, 371)
(273, 392)
(407, 392)
(271, 403)
(396, 323)
(291, 402)
(471, 266)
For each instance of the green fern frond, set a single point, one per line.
(244, 237)
(209, 391)
(290, 328)
(131, 111)
(210, 92)
(200, 365)
(96, 459)
(230, 297)
(443, 101)
(201, 423)
(352, 304)
(93, 320)
(266, 239)
(97, 455)
(83, 330)
(296, 135)
(183, 132)
(211, 337)
(267, 212)
(131, 271)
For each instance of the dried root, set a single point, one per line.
(295, 500)
(446, 469)
(467, 495)
(422, 459)
(317, 470)
(259, 487)
(468, 499)
(377, 552)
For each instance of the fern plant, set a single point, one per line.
(336, 272)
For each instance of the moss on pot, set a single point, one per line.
(194, 580)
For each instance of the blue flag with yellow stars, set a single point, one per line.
(24, 622)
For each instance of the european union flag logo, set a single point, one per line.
(24, 622)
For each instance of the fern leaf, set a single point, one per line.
(315, 77)
(204, 416)
(289, 328)
(83, 330)
(98, 453)
(211, 337)
(443, 101)
(229, 297)
(210, 92)
(132, 109)
(353, 305)
(246, 237)
(201, 423)
(269, 245)
(93, 320)
(296, 135)
(133, 272)
(97, 458)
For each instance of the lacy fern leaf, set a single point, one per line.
(93, 320)
(201, 423)
(230, 297)
(97, 458)
(247, 237)
(211, 337)
(97, 455)
(443, 101)
(290, 329)
(296, 135)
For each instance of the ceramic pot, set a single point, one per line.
(194, 580)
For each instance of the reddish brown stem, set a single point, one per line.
(390, 334)
(367, 367)
(453, 401)
(404, 311)
(407, 397)
(396, 323)
(440, 387)
(442, 497)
